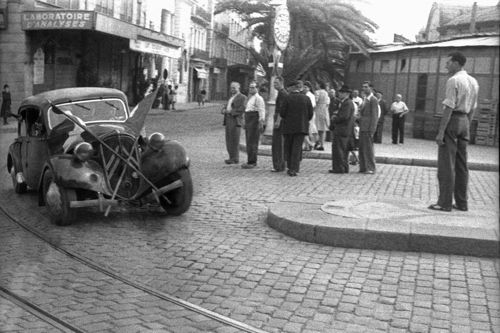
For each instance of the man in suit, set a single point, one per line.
(343, 127)
(277, 144)
(377, 138)
(296, 112)
(233, 119)
(369, 111)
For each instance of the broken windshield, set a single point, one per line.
(101, 110)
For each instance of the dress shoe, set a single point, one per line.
(292, 173)
(369, 172)
(230, 161)
(276, 170)
(438, 207)
(333, 171)
(462, 208)
(248, 166)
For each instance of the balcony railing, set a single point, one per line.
(219, 62)
(104, 10)
(126, 18)
(200, 13)
(222, 28)
(199, 54)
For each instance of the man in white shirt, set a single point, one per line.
(399, 111)
(255, 116)
(453, 135)
(233, 119)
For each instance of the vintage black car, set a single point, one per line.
(83, 147)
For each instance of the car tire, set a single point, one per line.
(180, 198)
(57, 199)
(19, 188)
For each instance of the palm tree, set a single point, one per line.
(322, 33)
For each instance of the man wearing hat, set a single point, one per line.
(343, 127)
(296, 112)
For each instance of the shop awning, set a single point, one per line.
(202, 73)
(154, 48)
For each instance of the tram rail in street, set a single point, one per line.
(66, 327)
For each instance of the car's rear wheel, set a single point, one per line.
(57, 200)
(180, 198)
(18, 187)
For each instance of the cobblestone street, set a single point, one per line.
(222, 256)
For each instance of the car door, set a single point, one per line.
(36, 147)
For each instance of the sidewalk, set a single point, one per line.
(418, 152)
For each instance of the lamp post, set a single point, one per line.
(281, 34)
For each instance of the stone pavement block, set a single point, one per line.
(293, 328)
(464, 240)
(387, 234)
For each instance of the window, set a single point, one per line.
(360, 66)
(421, 92)
(105, 7)
(126, 10)
(384, 66)
(68, 4)
(166, 22)
(402, 65)
(139, 12)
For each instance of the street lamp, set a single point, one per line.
(281, 34)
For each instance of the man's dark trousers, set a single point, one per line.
(377, 138)
(340, 154)
(453, 173)
(398, 127)
(277, 150)
(293, 150)
(252, 135)
(366, 152)
(233, 132)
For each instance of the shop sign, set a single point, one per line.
(3, 19)
(38, 66)
(61, 19)
(154, 48)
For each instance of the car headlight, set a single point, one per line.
(156, 141)
(83, 151)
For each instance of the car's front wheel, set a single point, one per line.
(180, 198)
(18, 186)
(57, 199)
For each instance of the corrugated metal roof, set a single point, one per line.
(462, 42)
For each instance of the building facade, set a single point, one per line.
(417, 71)
(452, 21)
(54, 44)
(230, 55)
(199, 46)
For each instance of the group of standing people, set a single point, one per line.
(167, 95)
(295, 110)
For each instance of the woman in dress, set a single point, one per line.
(321, 114)
(313, 132)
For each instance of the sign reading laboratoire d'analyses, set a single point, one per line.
(61, 19)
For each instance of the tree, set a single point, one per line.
(322, 33)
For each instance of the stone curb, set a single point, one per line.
(386, 160)
(380, 234)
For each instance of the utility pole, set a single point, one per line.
(281, 35)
